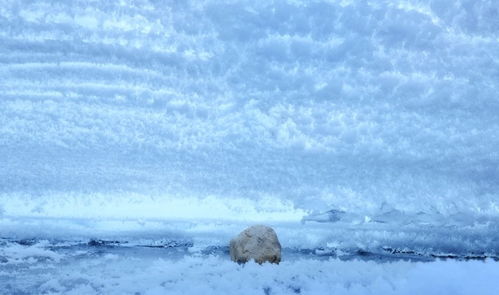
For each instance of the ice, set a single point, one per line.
(354, 128)
(128, 272)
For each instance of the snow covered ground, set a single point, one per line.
(365, 132)
(85, 256)
(33, 269)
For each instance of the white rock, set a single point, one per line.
(258, 242)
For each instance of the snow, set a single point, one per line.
(128, 272)
(349, 126)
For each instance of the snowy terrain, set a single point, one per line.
(138, 137)
(139, 272)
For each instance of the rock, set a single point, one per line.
(258, 242)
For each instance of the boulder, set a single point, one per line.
(258, 242)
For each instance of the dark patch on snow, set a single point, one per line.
(409, 253)
(26, 242)
(170, 244)
(362, 252)
(295, 290)
(103, 243)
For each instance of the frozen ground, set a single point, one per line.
(191, 257)
(99, 269)
(358, 129)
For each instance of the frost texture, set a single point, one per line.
(367, 115)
